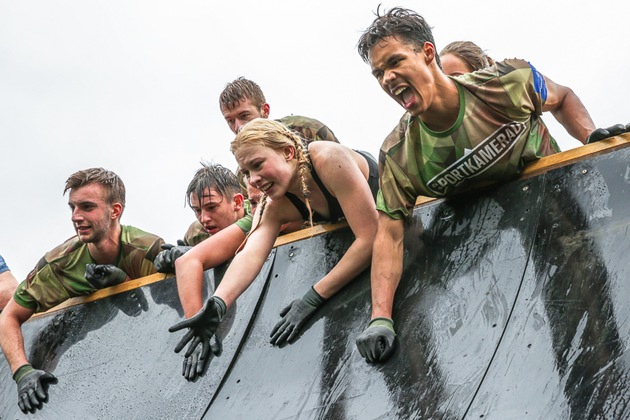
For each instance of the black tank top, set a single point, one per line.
(334, 208)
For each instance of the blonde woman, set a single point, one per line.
(324, 182)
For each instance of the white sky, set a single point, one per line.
(133, 86)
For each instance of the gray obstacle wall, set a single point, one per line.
(513, 304)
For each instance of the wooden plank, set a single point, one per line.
(569, 157)
(109, 291)
(309, 233)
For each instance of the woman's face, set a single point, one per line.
(269, 170)
(452, 65)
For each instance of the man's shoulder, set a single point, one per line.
(195, 234)
(63, 250)
(510, 64)
(299, 120)
(64, 258)
(399, 135)
(135, 236)
(308, 128)
(508, 68)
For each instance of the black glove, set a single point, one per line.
(195, 365)
(165, 260)
(294, 316)
(201, 328)
(32, 387)
(603, 133)
(376, 343)
(104, 275)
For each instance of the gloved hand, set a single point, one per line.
(603, 133)
(165, 260)
(201, 328)
(376, 343)
(32, 387)
(195, 365)
(294, 316)
(104, 275)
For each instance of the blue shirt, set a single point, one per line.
(3, 265)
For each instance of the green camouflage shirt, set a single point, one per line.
(196, 233)
(59, 275)
(497, 130)
(308, 128)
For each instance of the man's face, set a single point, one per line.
(92, 217)
(254, 195)
(402, 70)
(242, 113)
(214, 211)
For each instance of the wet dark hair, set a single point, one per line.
(403, 24)
(213, 176)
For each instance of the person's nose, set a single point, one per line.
(205, 217)
(254, 179)
(77, 216)
(388, 78)
(238, 124)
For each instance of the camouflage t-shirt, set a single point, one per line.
(59, 275)
(196, 233)
(497, 130)
(308, 128)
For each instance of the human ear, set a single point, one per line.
(238, 200)
(288, 152)
(429, 51)
(117, 209)
(265, 110)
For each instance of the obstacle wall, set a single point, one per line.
(513, 303)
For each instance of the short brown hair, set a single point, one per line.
(239, 90)
(113, 185)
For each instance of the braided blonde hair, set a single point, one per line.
(275, 135)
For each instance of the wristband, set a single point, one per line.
(381, 321)
(22, 371)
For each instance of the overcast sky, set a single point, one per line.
(133, 86)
